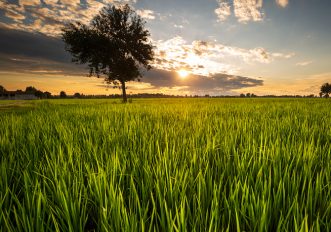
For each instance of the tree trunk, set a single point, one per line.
(125, 99)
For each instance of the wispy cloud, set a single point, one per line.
(283, 55)
(146, 14)
(304, 63)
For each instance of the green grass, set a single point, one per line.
(166, 165)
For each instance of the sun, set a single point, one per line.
(182, 73)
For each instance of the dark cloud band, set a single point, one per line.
(40, 54)
(161, 78)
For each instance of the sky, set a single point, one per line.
(215, 47)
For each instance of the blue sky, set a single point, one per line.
(225, 47)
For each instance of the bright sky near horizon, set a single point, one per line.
(216, 47)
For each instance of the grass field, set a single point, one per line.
(166, 165)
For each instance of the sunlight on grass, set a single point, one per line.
(167, 165)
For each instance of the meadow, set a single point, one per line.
(166, 165)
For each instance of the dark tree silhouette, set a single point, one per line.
(31, 90)
(2, 89)
(77, 95)
(325, 90)
(63, 94)
(39, 94)
(34, 91)
(115, 44)
(47, 94)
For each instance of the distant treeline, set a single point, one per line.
(47, 95)
(30, 90)
(160, 95)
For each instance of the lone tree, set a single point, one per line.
(325, 90)
(115, 45)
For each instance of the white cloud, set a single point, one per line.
(208, 58)
(248, 10)
(49, 20)
(282, 3)
(244, 10)
(146, 14)
(223, 11)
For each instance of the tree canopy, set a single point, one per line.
(114, 45)
(325, 90)
(31, 90)
(63, 94)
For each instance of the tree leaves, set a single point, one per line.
(115, 44)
